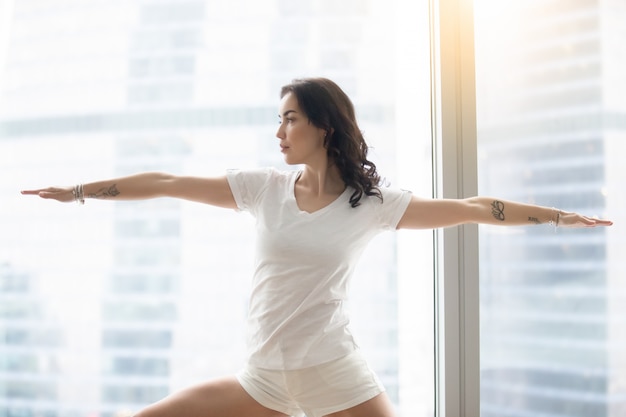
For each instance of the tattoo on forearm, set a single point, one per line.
(105, 192)
(534, 220)
(497, 210)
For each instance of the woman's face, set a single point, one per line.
(301, 142)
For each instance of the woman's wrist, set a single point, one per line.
(79, 193)
(555, 217)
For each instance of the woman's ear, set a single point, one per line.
(327, 135)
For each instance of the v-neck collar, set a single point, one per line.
(294, 202)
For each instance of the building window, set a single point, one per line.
(546, 89)
(111, 306)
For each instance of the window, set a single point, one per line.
(549, 106)
(129, 301)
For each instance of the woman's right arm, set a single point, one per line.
(210, 190)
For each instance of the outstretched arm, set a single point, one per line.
(435, 213)
(214, 190)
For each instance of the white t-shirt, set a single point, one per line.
(303, 263)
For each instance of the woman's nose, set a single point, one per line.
(280, 132)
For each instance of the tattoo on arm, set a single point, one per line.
(534, 220)
(105, 192)
(497, 210)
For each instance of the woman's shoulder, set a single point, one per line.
(268, 172)
(391, 198)
(263, 177)
(384, 193)
(392, 192)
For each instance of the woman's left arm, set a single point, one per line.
(436, 213)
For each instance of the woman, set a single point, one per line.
(312, 225)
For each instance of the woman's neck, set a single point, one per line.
(321, 182)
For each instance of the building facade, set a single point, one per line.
(113, 306)
(551, 118)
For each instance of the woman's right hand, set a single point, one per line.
(62, 194)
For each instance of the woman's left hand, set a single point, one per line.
(567, 219)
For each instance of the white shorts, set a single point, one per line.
(315, 391)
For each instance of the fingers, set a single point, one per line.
(42, 192)
(577, 220)
(55, 193)
(30, 192)
(600, 222)
(594, 221)
(49, 194)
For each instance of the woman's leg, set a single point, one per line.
(379, 406)
(220, 398)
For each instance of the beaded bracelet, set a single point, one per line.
(78, 194)
(555, 223)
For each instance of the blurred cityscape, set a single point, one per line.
(551, 98)
(111, 306)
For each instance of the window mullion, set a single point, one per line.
(454, 110)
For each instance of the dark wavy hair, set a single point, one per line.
(328, 107)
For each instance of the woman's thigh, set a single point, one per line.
(219, 398)
(379, 406)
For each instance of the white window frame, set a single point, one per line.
(457, 327)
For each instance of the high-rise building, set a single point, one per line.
(95, 89)
(551, 118)
(26, 331)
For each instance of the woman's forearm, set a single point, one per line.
(510, 213)
(133, 187)
(503, 212)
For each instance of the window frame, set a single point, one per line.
(457, 321)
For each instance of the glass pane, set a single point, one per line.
(552, 131)
(111, 306)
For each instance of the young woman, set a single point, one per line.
(312, 225)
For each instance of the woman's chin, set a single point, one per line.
(290, 161)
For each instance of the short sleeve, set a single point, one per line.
(394, 204)
(247, 186)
